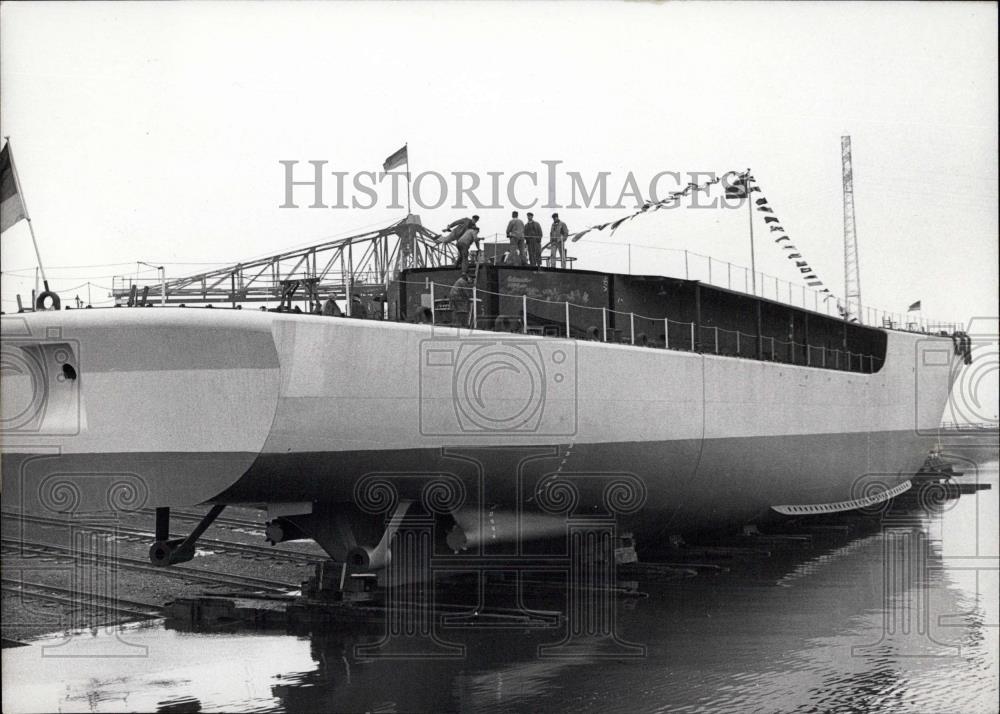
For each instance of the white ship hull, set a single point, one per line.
(173, 407)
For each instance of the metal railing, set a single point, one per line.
(563, 319)
(724, 274)
(368, 260)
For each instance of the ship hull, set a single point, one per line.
(193, 406)
(686, 485)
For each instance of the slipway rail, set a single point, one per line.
(213, 544)
(15, 548)
(76, 600)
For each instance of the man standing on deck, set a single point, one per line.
(471, 234)
(332, 309)
(515, 234)
(558, 234)
(458, 300)
(533, 237)
(358, 308)
(456, 229)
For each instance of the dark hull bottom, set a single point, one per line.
(655, 487)
(658, 487)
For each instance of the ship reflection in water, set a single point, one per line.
(902, 619)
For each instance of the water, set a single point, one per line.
(901, 620)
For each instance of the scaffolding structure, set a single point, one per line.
(359, 265)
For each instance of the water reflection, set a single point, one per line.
(183, 672)
(900, 619)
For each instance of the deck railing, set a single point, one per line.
(691, 265)
(674, 262)
(658, 332)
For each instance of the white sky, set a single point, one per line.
(153, 131)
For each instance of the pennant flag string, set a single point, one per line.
(741, 187)
(808, 274)
(738, 189)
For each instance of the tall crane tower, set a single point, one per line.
(852, 278)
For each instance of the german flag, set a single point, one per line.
(11, 205)
(396, 158)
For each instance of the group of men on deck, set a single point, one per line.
(525, 240)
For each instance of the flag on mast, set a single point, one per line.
(396, 158)
(914, 307)
(11, 205)
(738, 188)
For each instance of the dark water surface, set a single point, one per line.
(901, 619)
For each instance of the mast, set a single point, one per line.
(753, 254)
(409, 187)
(852, 276)
(27, 214)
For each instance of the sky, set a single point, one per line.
(153, 131)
